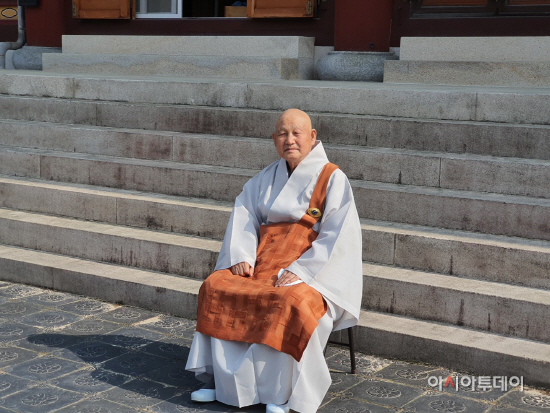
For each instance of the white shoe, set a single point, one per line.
(204, 395)
(276, 408)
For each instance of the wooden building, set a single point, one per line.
(346, 24)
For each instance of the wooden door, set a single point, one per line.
(102, 9)
(478, 8)
(469, 18)
(281, 8)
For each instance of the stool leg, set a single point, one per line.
(352, 350)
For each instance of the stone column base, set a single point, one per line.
(28, 57)
(354, 66)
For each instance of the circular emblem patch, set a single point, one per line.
(314, 212)
(8, 12)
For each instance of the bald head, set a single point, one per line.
(294, 137)
(294, 115)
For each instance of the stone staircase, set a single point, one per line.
(497, 61)
(242, 57)
(120, 188)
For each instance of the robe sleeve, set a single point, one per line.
(242, 234)
(333, 264)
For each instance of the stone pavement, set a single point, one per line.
(67, 353)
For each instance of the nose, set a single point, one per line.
(290, 139)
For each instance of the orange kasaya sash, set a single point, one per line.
(252, 309)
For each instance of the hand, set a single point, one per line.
(287, 278)
(243, 269)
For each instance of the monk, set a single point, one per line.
(288, 274)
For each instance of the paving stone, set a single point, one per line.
(46, 342)
(88, 307)
(41, 399)
(173, 326)
(439, 402)
(172, 348)
(11, 355)
(18, 308)
(127, 315)
(91, 352)
(91, 327)
(332, 350)
(19, 291)
(529, 400)
(96, 406)
(11, 384)
(328, 398)
(135, 363)
(411, 374)
(2, 410)
(504, 409)
(14, 331)
(91, 381)
(130, 337)
(50, 319)
(140, 393)
(365, 364)
(76, 375)
(174, 374)
(349, 405)
(473, 392)
(183, 404)
(384, 393)
(53, 298)
(343, 381)
(255, 408)
(44, 368)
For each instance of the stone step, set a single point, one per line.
(487, 257)
(435, 207)
(243, 46)
(496, 307)
(494, 258)
(518, 74)
(152, 250)
(387, 335)
(461, 210)
(488, 306)
(458, 348)
(226, 67)
(170, 178)
(118, 284)
(476, 49)
(498, 139)
(514, 176)
(459, 103)
(191, 216)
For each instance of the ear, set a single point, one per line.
(273, 137)
(313, 135)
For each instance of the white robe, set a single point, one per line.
(255, 373)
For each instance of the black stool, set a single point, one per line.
(351, 346)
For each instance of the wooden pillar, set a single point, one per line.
(8, 23)
(45, 23)
(362, 25)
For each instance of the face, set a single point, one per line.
(294, 138)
